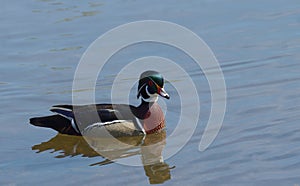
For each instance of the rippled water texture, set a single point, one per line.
(257, 44)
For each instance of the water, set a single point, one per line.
(257, 44)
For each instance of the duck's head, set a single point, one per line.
(151, 84)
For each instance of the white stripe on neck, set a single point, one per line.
(152, 97)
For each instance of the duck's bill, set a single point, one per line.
(163, 93)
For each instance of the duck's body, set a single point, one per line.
(118, 119)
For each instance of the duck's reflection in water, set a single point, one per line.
(149, 148)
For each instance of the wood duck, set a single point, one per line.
(118, 119)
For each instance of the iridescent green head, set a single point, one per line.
(151, 84)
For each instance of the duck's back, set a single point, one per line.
(89, 119)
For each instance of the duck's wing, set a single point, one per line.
(105, 112)
(69, 119)
(107, 115)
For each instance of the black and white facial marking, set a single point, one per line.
(147, 94)
(150, 86)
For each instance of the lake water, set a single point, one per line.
(257, 44)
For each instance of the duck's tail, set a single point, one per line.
(56, 122)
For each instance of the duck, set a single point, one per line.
(120, 120)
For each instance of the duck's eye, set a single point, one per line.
(150, 83)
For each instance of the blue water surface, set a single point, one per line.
(257, 44)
